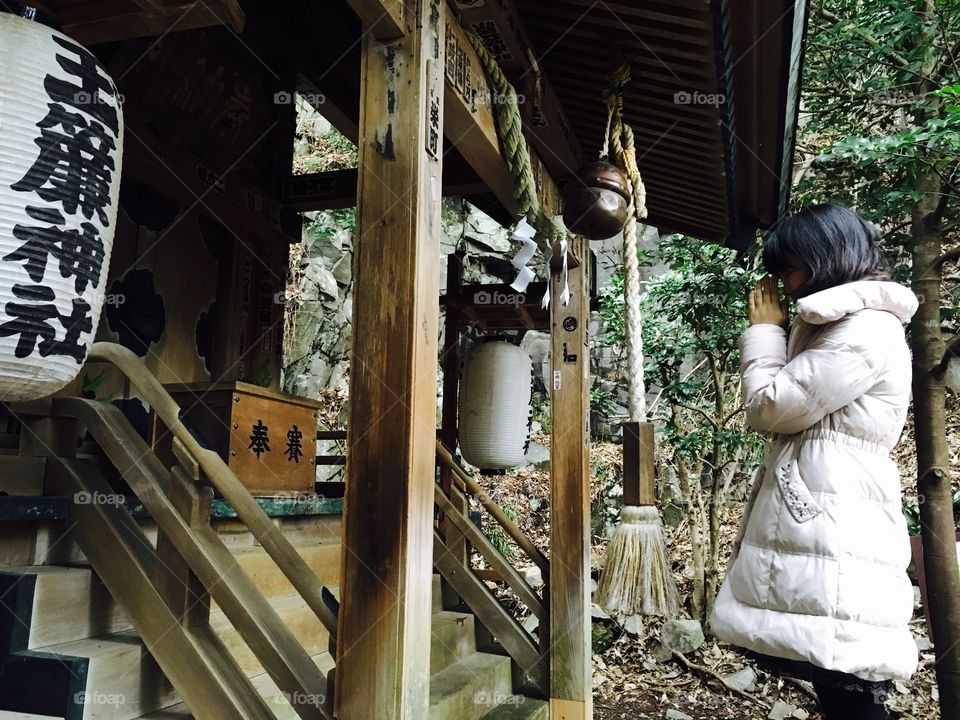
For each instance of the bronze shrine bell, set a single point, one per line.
(595, 201)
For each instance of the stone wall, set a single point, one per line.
(317, 343)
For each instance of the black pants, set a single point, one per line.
(840, 704)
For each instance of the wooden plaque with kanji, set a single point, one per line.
(267, 438)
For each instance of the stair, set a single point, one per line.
(72, 654)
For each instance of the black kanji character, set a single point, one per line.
(259, 438)
(80, 252)
(86, 95)
(76, 163)
(77, 322)
(32, 322)
(294, 445)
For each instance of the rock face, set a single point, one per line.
(320, 297)
(684, 636)
(317, 342)
(745, 679)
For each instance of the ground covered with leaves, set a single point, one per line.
(633, 678)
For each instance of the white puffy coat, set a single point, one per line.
(818, 571)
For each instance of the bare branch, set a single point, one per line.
(701, 412)
(731, 416)
(689, 665)
(952, 351)
(952, 255)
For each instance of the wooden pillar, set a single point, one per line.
(453, 538)
(570, 655)
(383, 645)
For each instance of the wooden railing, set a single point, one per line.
(530, 654)
(167, 591)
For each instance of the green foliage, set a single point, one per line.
(331, 151)
(602, 401)
(327, 222)
(611, 311)
(90, 385)
(260, 375)
(498, 536)
(693, 316)
(880, 109)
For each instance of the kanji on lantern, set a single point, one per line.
(32, 322)
(93, 80)
(80, 252)
(75, 165)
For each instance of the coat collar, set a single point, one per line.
(836, 302)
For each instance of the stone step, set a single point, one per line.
(263, 684)
(323, 560)
(296, 615)
(104, 678)
(452, 638)
(519, 707)
(114, 678)
(8, 715)
(50, 604)
(470, 688)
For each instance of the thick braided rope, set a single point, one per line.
(513, 144)
(621, 141)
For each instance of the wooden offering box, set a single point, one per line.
(267, 438)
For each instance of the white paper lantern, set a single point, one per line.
(61, 141)
(494, 404)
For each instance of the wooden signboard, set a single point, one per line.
(267, 438)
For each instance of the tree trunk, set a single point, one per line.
(933, 461)
(713, 560)
(696, 539)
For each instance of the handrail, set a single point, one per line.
(470, 486)
(293, 566)
(175, 503)
(514, 580)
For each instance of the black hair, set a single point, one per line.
(835, 244)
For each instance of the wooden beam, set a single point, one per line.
(92, 23)
(570, 662)
(384, 640)
(448, 435)
(469, 123)
(501, 27)
(384, 18)
(338, 188)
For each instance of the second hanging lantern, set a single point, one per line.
(494, 408)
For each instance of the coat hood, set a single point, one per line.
(834, 303)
